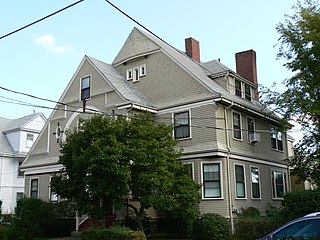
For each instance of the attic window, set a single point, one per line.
(85, 88)
(129, 74)
(142, 70)
(135, 74)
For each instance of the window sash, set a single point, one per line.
(181, 125)
(240, 181)
(29, 140)
(279, 182)
(276, 139)
(247, 92)
(211, 180)
(237, 125)
(34, 188)
(238, 88)
(255, 182)
(85, 88)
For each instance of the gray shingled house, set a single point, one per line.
(232, 143)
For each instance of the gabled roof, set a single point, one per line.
(20, 123)
(125, 88)
(10, 125)
(200, 71)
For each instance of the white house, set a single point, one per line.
(16, 139)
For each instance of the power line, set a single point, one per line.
(41, 19)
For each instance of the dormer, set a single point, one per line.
(21, 133)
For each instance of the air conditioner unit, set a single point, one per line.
(254, 138)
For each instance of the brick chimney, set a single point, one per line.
(193, 49)
(246, 66)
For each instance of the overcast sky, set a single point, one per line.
(41, 59)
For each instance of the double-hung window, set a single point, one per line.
(53, 196)
(250, 122)
(29, 141)
(279, 183)
(85, 88)
(247, 92)
(181, 125)
(237, 125)
(238, 88)
(255, 182)
(211, 180)
(276, 139)
(240, 181)
(136, 74)
(34, 188)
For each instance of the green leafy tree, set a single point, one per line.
(108, 160)
(299, 46)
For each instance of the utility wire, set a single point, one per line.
(40, 98)
(41, 19)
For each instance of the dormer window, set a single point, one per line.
(238, 88)
(247, 92)
(29, 141)
(85, 88)
(243, 90)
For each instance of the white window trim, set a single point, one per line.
(283, 137)
(241, 87)
(90, 86)
(221, 180)
(29, 143)
(182, 111)
(238, 139)
(235, 181)
(36, 178)
(244, 92)
(143, 66)
(129, 76)
(135, 76)
(259, 198)
(254, 127)
(285, 179)
(50, 199)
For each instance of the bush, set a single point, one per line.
(299, 203)
(250, 212)
(253, 228)
(211, 226)
(37, 218)
(112, 233)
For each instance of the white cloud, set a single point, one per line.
(49, 41)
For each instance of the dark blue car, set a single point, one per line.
(304, 228)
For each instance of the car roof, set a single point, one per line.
(315, 214)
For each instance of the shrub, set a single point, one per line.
(37, 218)
(253, 228)
(250, 212)
(112, 233)
(299, 203)
(211, 226)
(31, 214)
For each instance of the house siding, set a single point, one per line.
(165, 82)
